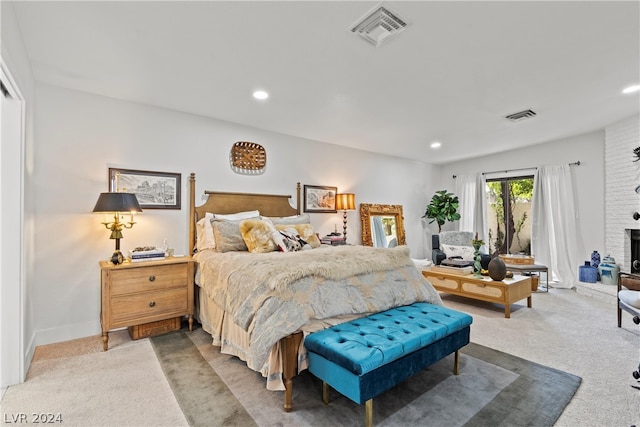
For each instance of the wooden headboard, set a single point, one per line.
(227, 203)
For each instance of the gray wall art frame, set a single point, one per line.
(154, 190)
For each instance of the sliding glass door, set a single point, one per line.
(509, 215)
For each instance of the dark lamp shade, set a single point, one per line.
(117, 202)
(345, 202)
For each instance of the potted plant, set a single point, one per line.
(443, 208)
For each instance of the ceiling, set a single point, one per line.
(451, 76)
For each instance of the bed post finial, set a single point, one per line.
(298, 198)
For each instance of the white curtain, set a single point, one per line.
(472, 195)
(555, 240)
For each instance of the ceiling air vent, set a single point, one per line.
(379, 25)
(516, 117)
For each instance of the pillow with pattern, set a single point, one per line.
(305, 231)
(466, 252)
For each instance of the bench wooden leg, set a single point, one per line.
(456, 363)
(325, 393)
(368, 413)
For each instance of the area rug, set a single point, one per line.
(493, 389)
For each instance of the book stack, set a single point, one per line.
(147, 255)
(462, 271)
(454, 262)
(333, 240)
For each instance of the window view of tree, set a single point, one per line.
(509, 201)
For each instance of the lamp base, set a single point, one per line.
(117, 258)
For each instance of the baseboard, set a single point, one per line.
(66, 333)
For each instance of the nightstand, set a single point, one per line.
(135, 293)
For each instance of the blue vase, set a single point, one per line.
(595, 262)
(587, 273)
(609, 271)
(595, 259)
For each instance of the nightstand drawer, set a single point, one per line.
(145, 307)
(148, 278)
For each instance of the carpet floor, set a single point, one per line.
(566, 330)
(493, 389)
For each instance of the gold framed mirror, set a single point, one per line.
(382, 225)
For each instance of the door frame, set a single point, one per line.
(13, 249)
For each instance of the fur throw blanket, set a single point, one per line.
(335, 263)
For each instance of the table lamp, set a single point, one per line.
(345, 202)
(117, 204)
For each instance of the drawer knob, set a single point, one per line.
(152, 303)
(152, 278)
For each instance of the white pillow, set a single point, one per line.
(239, 215)
(466, 252)
(204, 233)
(288, 220)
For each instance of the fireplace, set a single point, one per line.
(635, 251)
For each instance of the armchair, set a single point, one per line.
(629, 296)
(457, 239)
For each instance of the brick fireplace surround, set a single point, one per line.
(622, 176)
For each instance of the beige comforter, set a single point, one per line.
(273, 295)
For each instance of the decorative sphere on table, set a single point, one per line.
(497, 269)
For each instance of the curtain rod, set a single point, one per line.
(520, 169)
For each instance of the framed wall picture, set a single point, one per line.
(154, 190)
(319, 198)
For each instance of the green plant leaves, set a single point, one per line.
(443, 208)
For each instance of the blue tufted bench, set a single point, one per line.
(366, 357)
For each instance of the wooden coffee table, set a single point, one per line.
(504, 292)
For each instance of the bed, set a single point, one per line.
(258, 304)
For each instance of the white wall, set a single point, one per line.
(78, 136)
(622, 177)
(588, 177)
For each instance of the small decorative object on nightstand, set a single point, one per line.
(117, 204)
(140, 293)
(345, 202)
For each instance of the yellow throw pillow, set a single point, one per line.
(256, 234)
(305, 231)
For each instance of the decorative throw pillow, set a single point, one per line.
(205, 238)
(292, 239)
(466, 252)
(305, 231)
(228, 236)
(279, 240)
(256, 234)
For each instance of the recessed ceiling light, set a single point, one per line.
(436, 144)
(260, 94)
(631, 89)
